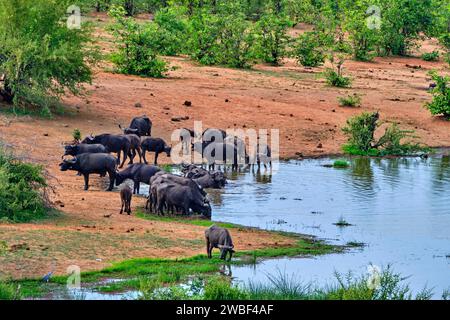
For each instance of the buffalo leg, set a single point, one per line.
(156, 158)
(125, 154)
(143, 155)
(139, 152)
(86, 182)
(123, 204)
(112, 179)
(208, 252)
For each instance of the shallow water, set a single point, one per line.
(398, 207)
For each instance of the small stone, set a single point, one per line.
(319, 146)
(138, 105)
(188, 103)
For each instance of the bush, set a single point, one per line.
(170, 36)
(40, 58)
(222, 289)
(308, 50)
(353, 100)
(9, 291)
(336, 79)
(22, 188)
(360, 131)
(440, 105)
(431, 56)
(137, 53)
(272, 38)
(76, 134)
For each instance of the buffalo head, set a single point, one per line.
(67, 164)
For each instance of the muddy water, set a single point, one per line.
(400, 208)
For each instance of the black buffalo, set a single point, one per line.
(155, 145)
(141, 126)
(139, 173)
(77, 149)
(89, 163)
(135, 147)
(114, 143)
(217, 237)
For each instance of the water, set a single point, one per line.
(398, 207)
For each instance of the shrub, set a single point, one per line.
(76, 134)
(336, 79)
(22, 189)
(353, 100)
(221, 289)
(9, 291)
(360, 131)
(308, 50)
(440, 105)
(272, 38)
(40, 58)
(203, 38)
(431, 56)
(137, 53)
(341, 164)
(170, 36)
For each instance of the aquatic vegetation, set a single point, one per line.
(342, 223)
(341, 164)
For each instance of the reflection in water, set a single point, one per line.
(399, 208)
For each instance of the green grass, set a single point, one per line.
(193, 221)
(171, 271)
(388, 285)
(350, 101)
(341, 164)
(431, 56)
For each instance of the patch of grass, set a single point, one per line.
(193, 221)
(341, 164)
(342, 223)
(431, 56)
(353, 100)
(9, 291)
(170, 271)
(385, 285)
(336, 79)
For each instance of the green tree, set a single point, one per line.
(40, 58)
(309, 49)
(272, 37)
(137, 52)
(440, 105)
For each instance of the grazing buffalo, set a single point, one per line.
(184, 198)
(114, 143)
(155, 145)
(125, 196)
(77, 149)
(141, 126)
(135, 147)
(217, 237)
(139, 173)
(89, 163)
(187, 195)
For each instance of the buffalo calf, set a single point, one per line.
(126, 194)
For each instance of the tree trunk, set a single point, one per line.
(6, 92)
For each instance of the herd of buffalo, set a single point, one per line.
(168, 193)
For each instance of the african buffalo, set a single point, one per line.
(88, 163)
(135, 147)
(141, 126)
(217, 237)
(74, 150)
(139, 173)
(205, 179)
(114, 144)
(125, 196)
(155, 145)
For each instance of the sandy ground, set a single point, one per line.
(290, 98)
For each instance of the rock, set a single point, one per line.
(188, 103)
(138, 105)
(226, 100)
(45, 134)
(319, 146)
